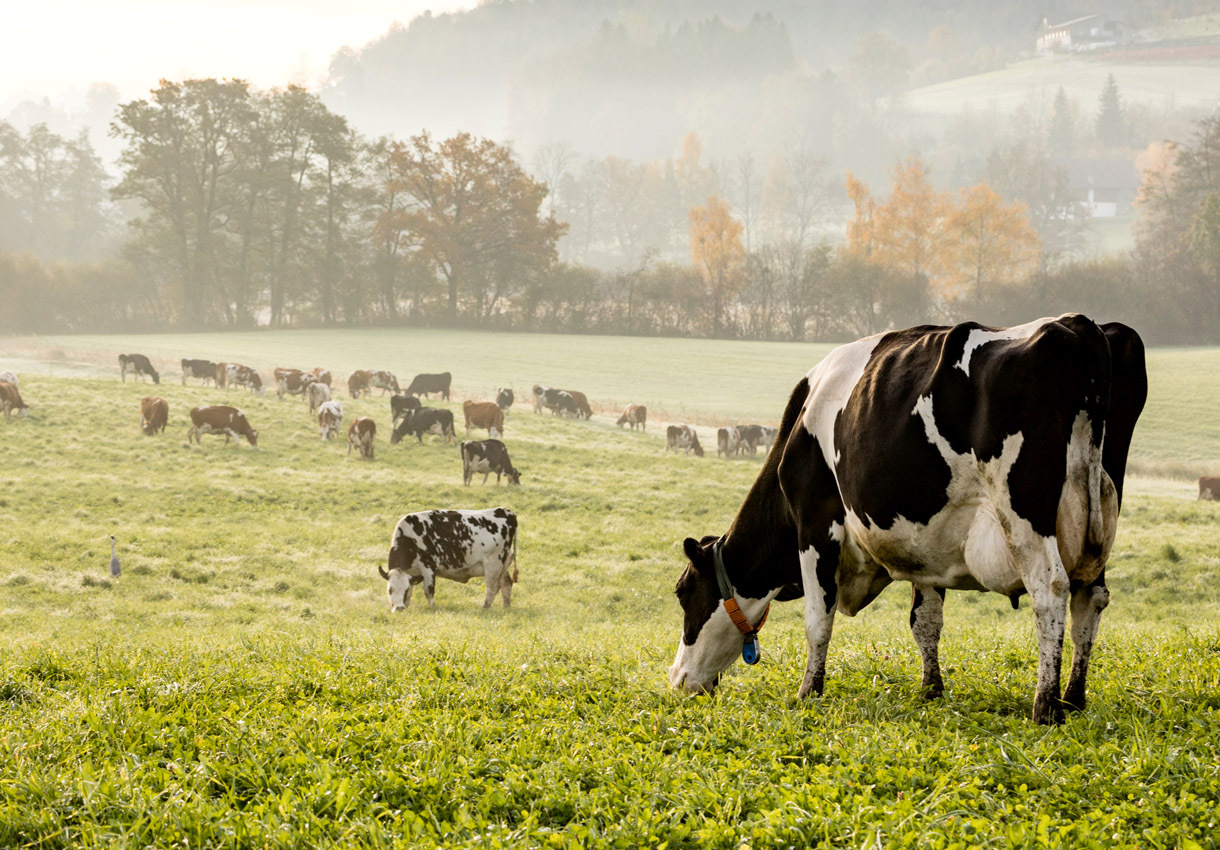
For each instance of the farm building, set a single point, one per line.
(1107, 187)
(1087, 32)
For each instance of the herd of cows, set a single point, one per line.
(961, 458)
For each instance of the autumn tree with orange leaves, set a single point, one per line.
(717, 252)
(987, 241)
(908, 229)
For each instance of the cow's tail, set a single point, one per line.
(512, 542)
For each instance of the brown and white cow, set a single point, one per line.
(358, 383)
(382, 380)
(330, 417)
(322, 376)
(238, 375)
(360, 435)
(221, 419)
(728, 442)
(291, 382)
(10, 400)
(484, 414)
(154, 413)
(10, 377)
(1209, 489)
(634, 414)
(318, 394)
(683, 437)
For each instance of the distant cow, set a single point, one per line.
(203, 369)
(560, 402)
(360, 435)
(238, 375)
(458, 545)
(383, 381)
(401, 405)
(9, 377)
(10, 400)
(634, 414)
(504, 399)
(487, 456)
(292, 382)
(484, 414)
(582, 404)
(749, 437)
(138, 365)
(318, 394)
(539, 395)
(1209, 489)
(424, 384)
(330, 417)
(767, 440)
(322, 376)
(358, 382)
(426, 420)
(154, 413)
(728, 441)
(682, 437)
(221, 419)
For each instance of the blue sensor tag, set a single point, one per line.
(750, 652)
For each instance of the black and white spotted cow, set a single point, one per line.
(457, 545)
(539, 395)
(487, 456)
(139, 366)
(205, 370)
(965, 458)
(401, 405)
(425, 420)
(504, 399)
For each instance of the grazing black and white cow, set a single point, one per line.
(752, 437)
(138, 365)
(504, 399)
(682, 437)
(457, 545)
(401, 405)
(487, 456)
(964, 457)
(360, 436)
(237, 375)
(561, 403)
(424, 384)
(205, 370)
(767, 436)
(426, 420)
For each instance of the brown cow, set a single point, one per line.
(330, 417)
(322, 376)
(484, 414)
(154, 413)
(1209, 489)
(291, 381)
(221, 419)
(358, 382)
(360, 435)
(582, 403)
(634, 414)
(10, 400)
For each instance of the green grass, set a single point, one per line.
(244, 683)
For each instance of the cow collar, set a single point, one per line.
(750, 652)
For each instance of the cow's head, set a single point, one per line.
(398, 586)
(156, 377)
(695, 447)
(514, 476)
(710, 642)
(252, 436)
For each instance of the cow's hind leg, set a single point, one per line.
(1047, 583)
(506, 587)
(927, 617)
(1088, 601)
(493, 580)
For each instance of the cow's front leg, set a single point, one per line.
(493, 578)
(927, 617)
(1088, 601)
(506, 587)
(821, 596)
(429, 579)
(1047, 583)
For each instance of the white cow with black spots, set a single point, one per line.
(457, 545)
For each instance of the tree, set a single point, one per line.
(551, 163)
(716, 251)
(1062, 129)
(1111, 124)
(473, 212)
(993, 243)
(880, 68)
(908, 228)
(861, 228)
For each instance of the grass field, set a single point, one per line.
(244, 683)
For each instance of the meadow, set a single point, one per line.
(245, 684)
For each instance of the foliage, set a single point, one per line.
(908, 229)
(1111, 123)
(716, 251)
(244, 681)
(994, 243)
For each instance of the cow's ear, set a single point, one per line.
(695, 554)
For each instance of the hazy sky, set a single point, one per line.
(48, 47)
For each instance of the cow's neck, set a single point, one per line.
(760, 548)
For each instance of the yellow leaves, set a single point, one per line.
(947, 248)
(715, 240)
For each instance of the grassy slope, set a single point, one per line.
(244, 681)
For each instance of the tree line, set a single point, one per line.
(248, 208)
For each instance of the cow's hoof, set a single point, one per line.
(1048, 712)
(812, 685)
(1074, 699)
(933, 690)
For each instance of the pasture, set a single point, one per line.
(244, 683)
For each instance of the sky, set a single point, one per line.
(52, 48)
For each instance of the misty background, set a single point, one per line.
(776, 170)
